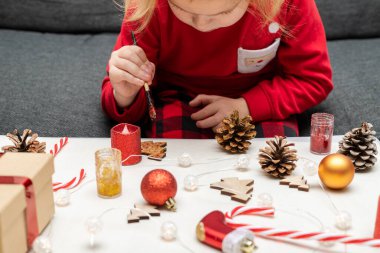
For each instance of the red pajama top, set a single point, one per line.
(278, 75)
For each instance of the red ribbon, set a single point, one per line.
(377, 224)
(31, 210)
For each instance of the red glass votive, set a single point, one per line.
(321, 132)
(127, 138)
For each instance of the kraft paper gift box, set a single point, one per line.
(15, 226)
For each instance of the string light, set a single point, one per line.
(264, 200)
(168, 231)
(93, 226)
(62, 197)
(42, 244)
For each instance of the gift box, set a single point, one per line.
(26, 199)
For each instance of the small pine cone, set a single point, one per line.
(278, 159)
(23, 144)
(234, 134)
(359, 145)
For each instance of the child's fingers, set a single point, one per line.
(133, 69)
(209, 122)
(127, 51)
(125, 76)
(205, 112)
(203, 99)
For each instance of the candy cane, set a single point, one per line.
(72, 183)
(292, 234)
(62, 143)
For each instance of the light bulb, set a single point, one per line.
(168, 231)
(42, 244)
(62, 197)
(242, 163)
(343, 220)
(264, 200)
(310, 169)
(191, 183)
(185, 160)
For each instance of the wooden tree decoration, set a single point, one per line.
(239, 190)
(141, 213)
(296, 182)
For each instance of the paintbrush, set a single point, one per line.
(152, 110)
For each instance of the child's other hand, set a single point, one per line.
(215, 108)
(129, 69)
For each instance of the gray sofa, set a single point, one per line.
(53, 56)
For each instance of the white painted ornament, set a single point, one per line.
(185, 160)
(93, 226)
(242, 163)
(264, 200)
(310, 169)
(42, 244)
(168, 231)
(274, 27)
(343, 221)
(62, 198)
(191, 183)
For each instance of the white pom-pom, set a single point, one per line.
(168, 231)
(343, 220)
(62, 197)
(185, 160)
(42, 244)
(264, 200)
(242, 163)
(191, 183)
(274, 27)
(310, 169)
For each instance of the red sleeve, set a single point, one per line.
(148, 40)
(305, 77)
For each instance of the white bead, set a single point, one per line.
(310, 169)
(264, 200)
(191, 183)
(42, 245)
(93, 225)
(274, 27)
(62, 198)
(242, 163)
(343, 220)
(185, 160)
(328, 244)
(168, 231)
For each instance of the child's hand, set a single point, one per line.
(129, 69)
(215, 108)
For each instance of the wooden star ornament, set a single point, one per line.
(239, 190)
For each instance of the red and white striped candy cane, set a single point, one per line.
(292, 234)
(72, 183)
(57, 148)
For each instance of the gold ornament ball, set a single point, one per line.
(336, 171)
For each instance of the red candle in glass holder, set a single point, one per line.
(322, 128)
(127, 138)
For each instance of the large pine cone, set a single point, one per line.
(279, 160)
(22, 144)
(234, 134)
(359, 145)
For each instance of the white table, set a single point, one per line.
(294, 208)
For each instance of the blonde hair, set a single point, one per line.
(141, 11)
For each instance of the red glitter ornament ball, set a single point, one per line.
(158, 186)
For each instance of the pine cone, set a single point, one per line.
(278, 159)
(21, 144)
(359, 145)
(234, 134)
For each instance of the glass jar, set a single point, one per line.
(108, 172)
(321, 132)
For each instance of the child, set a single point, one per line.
(205, 58)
